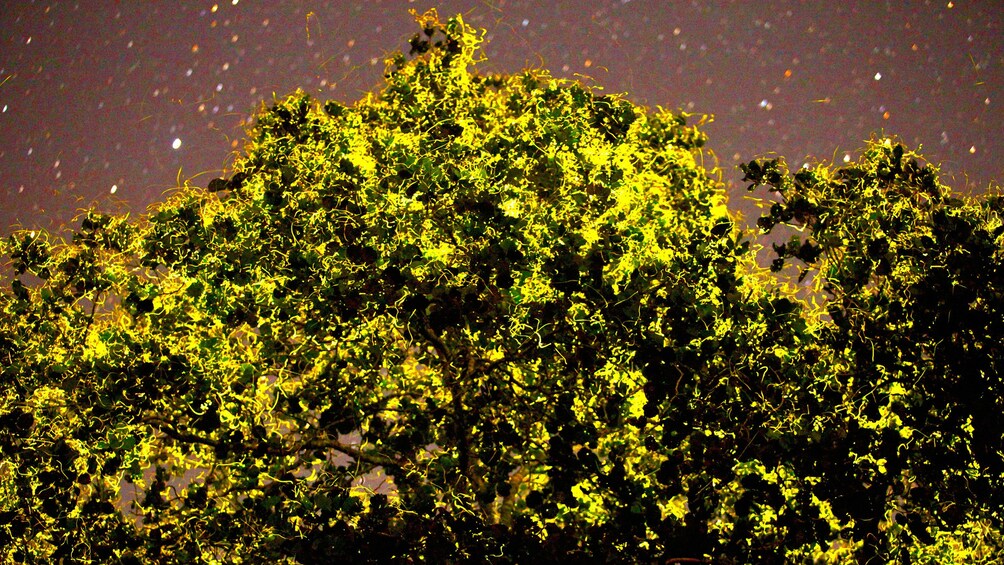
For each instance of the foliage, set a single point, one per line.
(502, 318)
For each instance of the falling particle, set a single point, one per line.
(972, 149)
(188, 73)
(56, 164)
(951, 5)
(787, 73)
(526, 22)
(885, 115)
(985, 101)
(114, 188)
(847, 157)
(20, 189)
(195, 48)
(219, 87)
(226, 66)
(878, 76)
(29, 40)
(214, 8)
(31, 150)
(176, 144)
(676, 31)
(588, 63)
(234, 38)
(235, 2)
(5, 106)
(914, 47)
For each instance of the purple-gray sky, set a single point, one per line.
(105, 101)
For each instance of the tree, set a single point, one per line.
(502, 318)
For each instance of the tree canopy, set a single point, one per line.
(495, 318)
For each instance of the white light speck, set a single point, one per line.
(129, 45)
(526, 22)
(56, 164)
(176, 144)
(29, 41)
(20, 189)
(847, 157)
(235, 2)
(114, 188)
(5, 106)
(676, 31)
(188, 73)
(219, 87)
(31, 150)
(972, 149)
(878, 76)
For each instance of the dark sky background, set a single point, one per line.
(113, 102)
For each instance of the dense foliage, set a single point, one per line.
(500, 318)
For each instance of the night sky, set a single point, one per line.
(113, 102)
